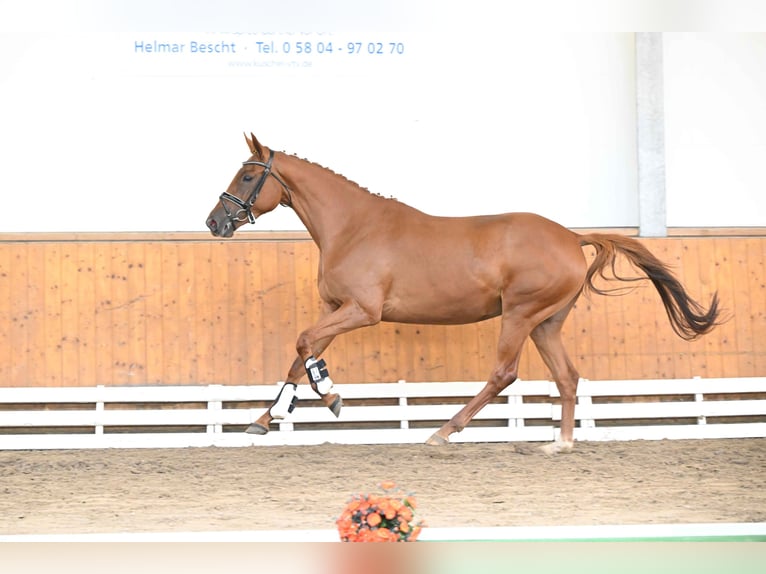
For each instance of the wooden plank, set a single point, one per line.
(70, 338)
(7, 317)
(404, 365)
(86, 315)
(220, 312)
(274, 363)
(120, 314)
(103, 319)
(756, 261)
(135, 272)
(437, 366)
(253, 315)
(741, 296)
(23, 322)
(51, 350)
(237, 314)
(203, 312)
(153, 309)
(714, 274)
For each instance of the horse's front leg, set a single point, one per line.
(287, 397)
(311, 343)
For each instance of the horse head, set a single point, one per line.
(250, 194)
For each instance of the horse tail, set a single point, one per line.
(687, 317)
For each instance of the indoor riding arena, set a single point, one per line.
(146, 361)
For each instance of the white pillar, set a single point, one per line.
(651, 135)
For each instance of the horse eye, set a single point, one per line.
(247, 177)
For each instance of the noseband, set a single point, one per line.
(245, 207)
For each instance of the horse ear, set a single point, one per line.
(254, 145)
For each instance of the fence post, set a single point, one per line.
(699, 397)
(99, 409)
(214, 408)
(402, 388)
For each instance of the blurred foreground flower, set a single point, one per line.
(387, 517)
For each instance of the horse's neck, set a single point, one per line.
(328, 204)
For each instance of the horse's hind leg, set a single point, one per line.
(547, 339)
(512, 337)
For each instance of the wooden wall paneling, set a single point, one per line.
(203, 305)
(21, 319)
(253, 309)
(237, 313)
(103, 316)
(70, 312)
(8, 322)
(741, 297)
(221, 343)
(756, 258)
(120, 314)
(388, 350)
(168, 312)
(50, 350)
(712, 279)
(464, 359)
(189, 270)
(305, 305)
(285, 297)
(153, 309)
(86, 315)
(403, 365)
(726, 345)
(171, 329)
(274, 365)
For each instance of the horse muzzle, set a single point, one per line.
(223, 228)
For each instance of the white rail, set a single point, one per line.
(385, 413)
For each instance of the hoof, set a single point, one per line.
(558, 447)
(436, 440)
(336, 405)
(256, 428)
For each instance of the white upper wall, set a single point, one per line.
(715, 129)
(461, 114)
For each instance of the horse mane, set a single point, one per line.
(343, 177)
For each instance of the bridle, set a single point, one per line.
(244, 208)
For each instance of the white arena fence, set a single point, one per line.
(380, 413)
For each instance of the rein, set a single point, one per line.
(245, 207)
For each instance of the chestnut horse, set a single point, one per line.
(382, 260)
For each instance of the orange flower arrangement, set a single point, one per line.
(389, 517)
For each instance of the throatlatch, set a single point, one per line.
(285, 401)
(319, 377)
